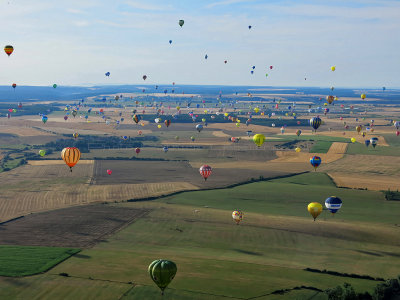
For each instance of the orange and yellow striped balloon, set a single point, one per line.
(8, 49)
(71, 156)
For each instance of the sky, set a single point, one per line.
(76, 42)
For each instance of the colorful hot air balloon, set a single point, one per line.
(199, 127)
(315, 123)
(8, 49)
(75, 135)
(137, 150)
(237, 216)
(374, 141)
(42, 153)
(205, 171)
(314, 208)
(167, 123)
(192, 138)
(162, 272)
(259, 139)
(109, 172)
(14, 85)
(315, 161)
(165, 149)
(298, 132)
(44, 119)
(136, 119)
(333, 203)
(359, 128)
(330, 99)
(181, 22)
(71, 156)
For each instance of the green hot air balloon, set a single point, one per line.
(42, 153)
(162, 272)
(181, 22)
(54, 85)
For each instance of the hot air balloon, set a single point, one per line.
(140, 132)
(363, 96)
(54, 86)
(44, 119)
(315, 161)
(249, 27)
(42, 152)
(109, 172)
(282, 130)
(75, 135)
(199, 127)
(71, 156)
(144, 77)
(167, 123)
(181, 22)
(65, 118)
(108, 74)
(397, 133)
(8, 49)
(192, 138)
(271, 67)
(314, 208)
(330, 99)
(256, 110)
(298, 132)
(225, 61)
(14, 85)
(205, 171)
(359, 128)
(137, 150)
(162, 272)
(333, 68)
(159, 126)
(165, 149)
(315, 122)
(170, 41)
(237, 216)
(333, 203)
(367, 142)
(258, 139)
(374, 141)
(206, 56)
(396, 124)
(297, 149)
(353, 140)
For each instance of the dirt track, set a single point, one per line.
(79, 227)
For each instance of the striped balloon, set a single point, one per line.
(333, 203)
(8, 49)
(71, 156)
(205, 171)
(315, 122)
(237, 216)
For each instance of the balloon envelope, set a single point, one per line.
(162, 272)
(333, 203)
(314, 208)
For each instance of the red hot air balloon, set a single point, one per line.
(397, 133)
(137, 150)
(205, 171)
(8, 49)
(109, 172)
(14, 85)
(271, 67)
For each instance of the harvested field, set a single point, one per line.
(337, 148)
(78, 227)
(219, 133)
(356, 181)
(56, 162)
(128, 172)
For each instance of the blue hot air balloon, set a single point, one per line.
(367, 142)
(108, 74)
(333, 204)
(170, 41)
(315, 122)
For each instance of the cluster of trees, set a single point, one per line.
(34, 109)
(388, 290)
(85, 143)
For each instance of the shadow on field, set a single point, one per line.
(248, 252)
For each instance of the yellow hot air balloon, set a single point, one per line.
(226, 114)
(358, 128)
(238, 121)
(259, 139)
(71, 156)
(159, 126)
(314, 208)
(256, 110)
(262, 113)
(353, 140)
(297, 149)
(205, 111)
(333, 68)
(363, 96)
(178, 108)
(237, 124)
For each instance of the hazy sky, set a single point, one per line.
(76, 42)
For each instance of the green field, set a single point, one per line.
(358, 148)
(19, 261)
(216, 259)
